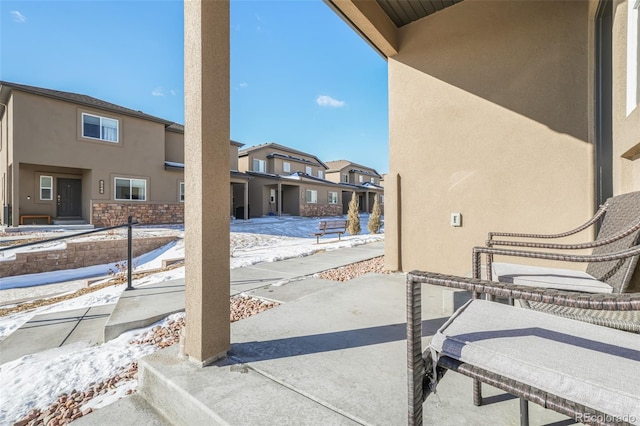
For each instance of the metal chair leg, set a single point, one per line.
(524, 412)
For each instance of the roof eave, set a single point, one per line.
(370, 21)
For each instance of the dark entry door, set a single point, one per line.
(69, 198)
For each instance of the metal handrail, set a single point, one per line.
(129, 225)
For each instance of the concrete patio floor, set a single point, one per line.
(335, 355)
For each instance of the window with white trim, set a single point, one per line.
(345, 178)
(259, 165)
(46, 187)
(360, 178)
(181, 192)
(126, 189)
(320, 174)
(286, 167)
(101, 128)
(312, 196)
(333, 197)
(308, 170)
(373, 180)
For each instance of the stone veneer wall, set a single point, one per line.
(78, 255)
(110, 214)
(314, 210)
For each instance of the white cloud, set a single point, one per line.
(18, 17)
(244, 85)
(328, 101)
(158, 91)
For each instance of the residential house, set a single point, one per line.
(288, 181)
(521, 116)
(72, 156)
(364, 181)
(239, 182)
(69, 156)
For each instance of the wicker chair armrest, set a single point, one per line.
(599, 213)
(623, 254)
(609, 302)
(580, 246)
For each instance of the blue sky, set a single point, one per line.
(299, 75)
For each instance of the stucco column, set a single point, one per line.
(393, 222)
(366, 201)
(206, 140)
(279, 198)
(246, 200)
(15, 194)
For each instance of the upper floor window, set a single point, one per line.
(46, 187)
(308, 170)
(373, 180)
(320, 174)
(361, 178)
(345, 178)
(259, 165)
(333, 197)
(181, 192)
(130, 189)
(312, 196)
(286, 167)
(96, 127)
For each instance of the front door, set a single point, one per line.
(69, 198)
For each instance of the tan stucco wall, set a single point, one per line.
(6, 156)
(174, 147)
(626, 128)
(489, 117)
(233, 157)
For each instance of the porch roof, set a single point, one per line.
(377, 21)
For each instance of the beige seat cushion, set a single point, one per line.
(536, 276)
(592, 365)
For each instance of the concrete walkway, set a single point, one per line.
(146, 305)
(50, 331)
(335, 356)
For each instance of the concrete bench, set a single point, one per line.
(35, 216)
(330, 227)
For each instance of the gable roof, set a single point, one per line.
(85, 100)
(338, 165)
(246, 151)
(175, 127)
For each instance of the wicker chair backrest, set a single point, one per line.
(623, 212)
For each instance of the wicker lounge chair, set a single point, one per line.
(585, 371)
(620, 230)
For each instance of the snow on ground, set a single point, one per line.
(35, 381)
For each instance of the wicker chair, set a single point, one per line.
(585, 371)
(610, 270)
(620, 229)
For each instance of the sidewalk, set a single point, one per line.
(145, 305)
